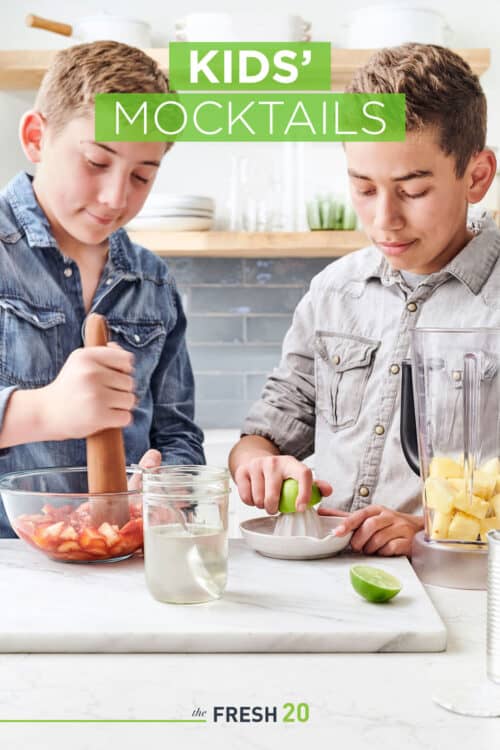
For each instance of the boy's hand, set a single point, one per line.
(150, 460)
(259, 481)
(94, 391)
(378, 530)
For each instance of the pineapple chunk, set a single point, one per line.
(440, 524)
(484, 485)
(491, 467)
(439, 494)
(444, 468)
(486, 524)
(476, 507)
(464, 527)
(495, 505)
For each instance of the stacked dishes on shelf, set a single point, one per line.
(174, 213)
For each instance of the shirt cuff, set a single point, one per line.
(5, 394)
(290, 435)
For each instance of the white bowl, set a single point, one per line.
(258, 534)
(243, 26)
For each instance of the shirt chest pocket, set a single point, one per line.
(30, 343)
(145, 340)
(343, 365)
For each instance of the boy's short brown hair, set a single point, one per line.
(80, 72)
(441, 91)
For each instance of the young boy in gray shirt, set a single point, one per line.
(336, 391)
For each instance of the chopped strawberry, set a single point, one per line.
(133, 527)
(76, 556)
(109, 534)
(98, 550)
(53, 531)
(42, 538)
(69, 547)
(90, 536)
(68, 533)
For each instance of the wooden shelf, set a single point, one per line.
(24, 69)
(251, 244)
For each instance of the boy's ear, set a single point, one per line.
(480, 174)
(31, 129)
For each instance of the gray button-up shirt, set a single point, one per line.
(336, 391)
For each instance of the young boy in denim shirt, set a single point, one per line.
(337, 390)
(63, 255)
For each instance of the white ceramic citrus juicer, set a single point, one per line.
(295, 535)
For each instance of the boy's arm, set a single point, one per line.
(93, 391)
(279, 430)
(173, 430)
(20, 417)
(285, 414)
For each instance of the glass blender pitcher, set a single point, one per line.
(452, 439)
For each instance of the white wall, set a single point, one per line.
(205, 168)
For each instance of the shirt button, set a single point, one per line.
(411, 307)
(457, 375)
(68, 272)
(336, 359)
(364, 491)
(394, 369)
(109, 281)
(379, 430)
(137, 338)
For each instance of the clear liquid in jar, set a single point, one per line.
(185, 566)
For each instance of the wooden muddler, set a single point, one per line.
(37, 22)
(106, 465)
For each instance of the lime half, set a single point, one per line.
(374, 584)
(289, 492)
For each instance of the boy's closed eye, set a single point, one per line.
(371, 191)
(98, 165)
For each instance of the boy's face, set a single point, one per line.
(410, 201)
(89, 189)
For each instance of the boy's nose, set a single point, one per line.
(114, 194)
(387, 215)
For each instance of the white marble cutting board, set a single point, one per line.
(269, 606)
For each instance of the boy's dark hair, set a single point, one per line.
(441, 92)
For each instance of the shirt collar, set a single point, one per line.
(33, 221)
(472, 266)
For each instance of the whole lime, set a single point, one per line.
(289, 492)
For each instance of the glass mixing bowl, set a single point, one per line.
(52, 510)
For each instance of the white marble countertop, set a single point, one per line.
(268, 606)
(380, 700)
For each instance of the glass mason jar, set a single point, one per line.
(185, 532)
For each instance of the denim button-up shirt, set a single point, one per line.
(41, 322)
(336, 391)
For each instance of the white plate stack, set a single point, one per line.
(163, 212)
